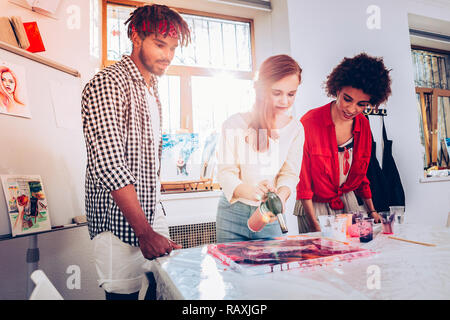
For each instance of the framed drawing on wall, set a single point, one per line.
(26, 204)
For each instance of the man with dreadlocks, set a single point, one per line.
(121, 114)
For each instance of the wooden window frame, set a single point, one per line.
(105, 61)
(185, 73)
(432, 132)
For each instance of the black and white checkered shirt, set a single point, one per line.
(119, 140)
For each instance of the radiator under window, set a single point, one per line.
(193, 235)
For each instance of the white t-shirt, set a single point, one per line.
(155, 124)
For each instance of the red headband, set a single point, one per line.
(162, 28)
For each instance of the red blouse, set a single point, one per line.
(319, 175)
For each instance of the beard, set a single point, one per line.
(149, 66)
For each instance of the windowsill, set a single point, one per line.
(434, 179)
(190, 195)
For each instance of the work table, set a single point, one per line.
(400, 270)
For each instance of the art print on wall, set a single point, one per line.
(187, 157)
(26, 204)
(13, 90)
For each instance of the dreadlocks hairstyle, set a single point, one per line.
(148, 20)
(361, 72)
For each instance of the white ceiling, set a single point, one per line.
(429, 25)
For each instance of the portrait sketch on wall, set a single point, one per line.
(13, 90)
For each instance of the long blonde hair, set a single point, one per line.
(262, 120)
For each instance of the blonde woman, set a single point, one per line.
(260, 151)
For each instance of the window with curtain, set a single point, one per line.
(432, 81)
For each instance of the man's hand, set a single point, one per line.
(154, 245)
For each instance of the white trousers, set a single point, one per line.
(121, 267)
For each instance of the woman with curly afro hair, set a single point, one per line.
(338, 142)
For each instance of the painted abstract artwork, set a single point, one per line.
(262, 256)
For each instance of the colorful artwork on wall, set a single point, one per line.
(13, 91)
(187, 157)
(26, 203)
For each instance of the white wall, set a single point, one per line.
(61, 249)
(318, 34)
(436, 9)
(65, 40)
(325, 31)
